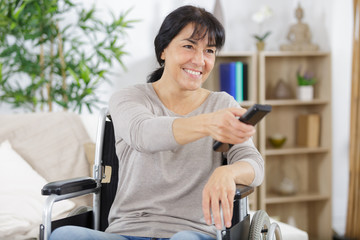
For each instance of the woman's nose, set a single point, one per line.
(198, 58)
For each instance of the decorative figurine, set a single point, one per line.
(299, 35)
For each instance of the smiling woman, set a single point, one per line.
(164, 132)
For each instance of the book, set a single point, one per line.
(245, 82)
(234, 80)
(228, 78)
(239, 82)
(308, 130)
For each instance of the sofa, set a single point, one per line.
(37, 148)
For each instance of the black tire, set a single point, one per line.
(259, 222)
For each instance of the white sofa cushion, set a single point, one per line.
(21, 200)
(52, 143)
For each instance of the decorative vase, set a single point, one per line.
(260, 46)
(305, 93)
(287, 180)
(282, 90)
(218, 12)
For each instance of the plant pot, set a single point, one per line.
(260, 46)
(305, 93)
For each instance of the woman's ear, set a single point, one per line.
(162, 56)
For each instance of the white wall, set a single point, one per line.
(341, 47)
(331, 25)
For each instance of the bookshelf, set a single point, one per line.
(309, 168)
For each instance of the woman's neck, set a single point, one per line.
(180, 101)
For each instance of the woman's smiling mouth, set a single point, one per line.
(192, 72)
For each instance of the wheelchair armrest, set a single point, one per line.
(243, 191)
(69, 186)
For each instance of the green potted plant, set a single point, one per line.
(260, 40)
(306, 82)
(47, 63)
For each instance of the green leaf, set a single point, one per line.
(13, 25)
(85, 73)
(74, 75)
(21, 8)
(263, 37)
(305, 82)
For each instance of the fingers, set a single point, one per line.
(242, 132)
(227, 128)
(206, 207)
(219, 191)
(238, 111)
(215, 208)
(236, 123)
(225, 203)
(236, 135)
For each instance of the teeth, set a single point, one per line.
(192, 72)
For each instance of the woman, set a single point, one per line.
(170, 179)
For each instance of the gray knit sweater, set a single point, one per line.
(161, 182)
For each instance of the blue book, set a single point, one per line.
(228, 78)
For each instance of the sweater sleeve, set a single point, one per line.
(247, 152)
(137, 125)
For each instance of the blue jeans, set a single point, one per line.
(80, 233)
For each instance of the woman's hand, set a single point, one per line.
(225, 127)
(220, 189)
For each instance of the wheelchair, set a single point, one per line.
(103, 186)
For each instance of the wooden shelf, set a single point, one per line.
(295, 102)
(294, 53)
(302, 197)
(236, 54)
(292, 151)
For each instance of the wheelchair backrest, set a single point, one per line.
(108, 189)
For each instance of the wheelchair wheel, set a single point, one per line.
(274, 232)
(259, 226)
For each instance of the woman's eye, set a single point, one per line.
(188, 46)
(211, 51)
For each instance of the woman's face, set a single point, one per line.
(188, 62)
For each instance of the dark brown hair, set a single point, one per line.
(204, 22)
